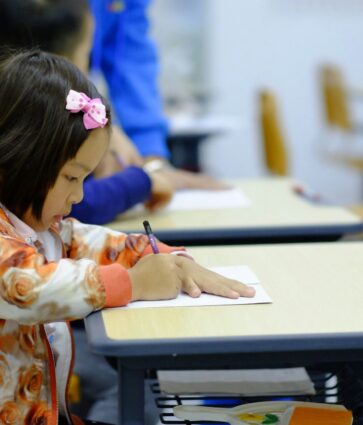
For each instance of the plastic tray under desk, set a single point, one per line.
(341, 385)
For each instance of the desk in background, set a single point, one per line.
(277, 214)
(316, 317)
(187, 132)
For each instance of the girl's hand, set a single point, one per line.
(155, 277)
(163, 276)
(162, 191)
(198, 279)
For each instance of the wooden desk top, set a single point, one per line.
(275, 209)
(317, 290)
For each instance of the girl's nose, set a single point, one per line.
(77, 196)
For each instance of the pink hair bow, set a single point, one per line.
(94, 110)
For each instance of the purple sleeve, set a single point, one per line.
(105, 198)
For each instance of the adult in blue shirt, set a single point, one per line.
(127, 57)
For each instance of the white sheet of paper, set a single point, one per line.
(208, 199)
(242, 273)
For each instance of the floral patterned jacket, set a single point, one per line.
(38, 298)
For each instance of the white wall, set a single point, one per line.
(279, 44)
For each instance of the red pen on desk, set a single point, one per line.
(151, 237)
(306, 193)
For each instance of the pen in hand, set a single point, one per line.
(151, 237)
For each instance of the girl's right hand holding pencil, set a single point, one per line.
(172, 274)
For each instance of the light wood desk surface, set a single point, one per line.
(317, 291)
(276, 212)
(316, 318)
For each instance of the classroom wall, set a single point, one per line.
(246, 45)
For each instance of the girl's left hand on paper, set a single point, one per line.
(163, 276)
(197, 279)
(162, 191)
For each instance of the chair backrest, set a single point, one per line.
(335, 98)
(276, 159)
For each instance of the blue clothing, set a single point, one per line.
(127, 57)
(105, 198)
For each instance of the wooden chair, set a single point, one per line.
(275, 154)
(335, 98)
(342, 140)
(74, 398)
(74, 389)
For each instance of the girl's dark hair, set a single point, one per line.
(37, 134)
(51, 25)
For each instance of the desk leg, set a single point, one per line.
(131, 395)
(185, 152)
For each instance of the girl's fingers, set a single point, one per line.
(221, 290)
(219, 285)
(191, 288)
(242, 289)
(195, 276)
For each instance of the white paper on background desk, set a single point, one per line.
(193, 199)
(241, 273)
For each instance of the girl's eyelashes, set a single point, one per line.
(71, 179)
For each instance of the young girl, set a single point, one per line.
(54, 130)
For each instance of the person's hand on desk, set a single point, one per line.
(173, 274)
(122, 153)
(162, 191)
(182, 179)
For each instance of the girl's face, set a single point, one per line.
(68, 188)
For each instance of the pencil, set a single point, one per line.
(151, 237)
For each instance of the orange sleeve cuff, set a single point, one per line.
(117, 283)
(163, 248)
